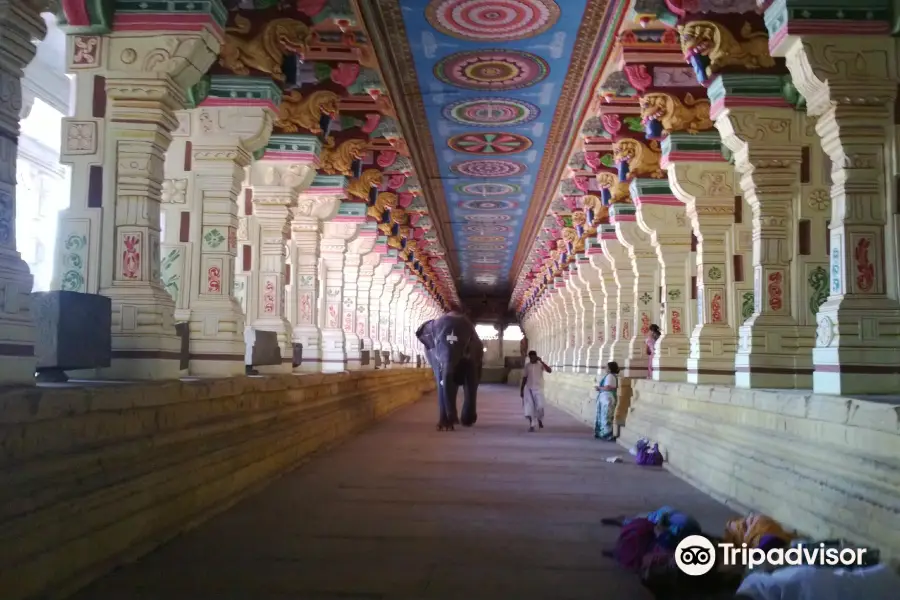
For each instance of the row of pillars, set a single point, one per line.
(311, 272)
(821, 310)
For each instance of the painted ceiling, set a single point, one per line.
(499, 82)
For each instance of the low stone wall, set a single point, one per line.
(95, 477)
(827, 466)
(575, 394)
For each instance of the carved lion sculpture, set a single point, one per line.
(691, 116)
(339, 160)
(297, 112)
(619, 192)
(264, 52)
(641, 159)
(714, 41)
(385, 201)
(360, 187)
(574, 242)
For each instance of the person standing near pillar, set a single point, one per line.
(607, 389)
(532, 390)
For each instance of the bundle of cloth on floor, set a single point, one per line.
(647, 455)
(647, 542)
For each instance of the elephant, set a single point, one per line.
(456, 354)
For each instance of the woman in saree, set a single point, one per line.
(651, 346)
(606, 403)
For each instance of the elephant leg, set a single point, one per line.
(469, 410)
(450, 389)
(444, 423)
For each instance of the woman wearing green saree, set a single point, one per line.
(606, 403)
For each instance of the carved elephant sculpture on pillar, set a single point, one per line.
(456, 354)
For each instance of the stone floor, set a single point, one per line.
(405, 512)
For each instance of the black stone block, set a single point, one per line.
(73, 331)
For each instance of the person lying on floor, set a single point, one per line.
(821, 583)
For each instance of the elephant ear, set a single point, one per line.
(425, 334)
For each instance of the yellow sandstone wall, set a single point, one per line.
(94, 477)
(827, 466)
(574, 393)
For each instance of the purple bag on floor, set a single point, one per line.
(647, 455)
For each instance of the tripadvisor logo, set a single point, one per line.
(696, 555)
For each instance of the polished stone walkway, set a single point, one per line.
(405, 512)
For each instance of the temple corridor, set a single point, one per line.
(404, 512)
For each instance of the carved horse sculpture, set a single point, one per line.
(456, 354)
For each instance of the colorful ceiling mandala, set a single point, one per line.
(489, 168)
(488, 229)
(489, 205)
(496, 70)
(486, 112)
(492, 20)
(499, 104)
(486, 218)
(488, 189)
(489, 143)
(485, 239)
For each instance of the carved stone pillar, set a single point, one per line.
(707, 190)
(662, 216)
(386, 312)
(551, 324)
(333, 248)
(399, 306)
(357, 250)
(365, 309)
(314, 206)
(205, 168)
(117, 161)
(857, 347)
(645, 267)
(620, 294)
(773, 349)
(20, 25)
(575, 286)
(567, 304)
(592, 298)
(604, 304)
(379, 277)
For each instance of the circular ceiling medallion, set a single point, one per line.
(491, 167)
(488, 189)
(495, 20)
(489, 205)
(485, 218)
(489, 143)
(495, 70)
(488, 229)
(485, 112)
(485, 247)
(486, 239)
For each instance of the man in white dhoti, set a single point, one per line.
(532, 391)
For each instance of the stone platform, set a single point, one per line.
(828, 466)
(94, 476)
(402, 512)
